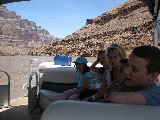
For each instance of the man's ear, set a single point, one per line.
(154, 76)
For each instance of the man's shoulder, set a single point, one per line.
(157, 84)
(152, 94)
(154, 88)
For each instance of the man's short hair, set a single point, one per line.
(151, 54)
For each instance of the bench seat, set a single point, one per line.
(53, 82)
(78, 110)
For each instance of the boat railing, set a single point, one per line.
(156, 32)
(33, 83)
(33, 89)
(4, 89)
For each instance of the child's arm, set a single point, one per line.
(86, 80)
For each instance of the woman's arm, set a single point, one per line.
(100, 91)
(93, 66)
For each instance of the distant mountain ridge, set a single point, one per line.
(129, 24)
(18, 36)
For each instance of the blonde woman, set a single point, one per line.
(115, 53)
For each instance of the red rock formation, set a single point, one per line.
(129, 24)
(18, 36)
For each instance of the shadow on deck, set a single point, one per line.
(19, 111)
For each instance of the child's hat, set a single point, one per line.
(81, 60)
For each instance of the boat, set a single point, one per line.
(46, 84)
(71, 110)
(51, 80)
(79, 110)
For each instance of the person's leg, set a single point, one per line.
(65, 94)
(73, 97)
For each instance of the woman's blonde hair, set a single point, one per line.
(118, 48)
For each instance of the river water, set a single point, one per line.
(18, 69)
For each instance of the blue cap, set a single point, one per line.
(81, 60)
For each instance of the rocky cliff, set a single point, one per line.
(129, 24)
(18, 36)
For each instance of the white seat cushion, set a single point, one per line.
(50, 94)
(46, 97)
(78, 110)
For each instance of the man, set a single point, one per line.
(142, 72)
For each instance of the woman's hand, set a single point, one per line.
(113, 85)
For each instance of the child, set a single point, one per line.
(85, 80)
(103, 60)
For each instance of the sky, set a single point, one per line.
(61, 17)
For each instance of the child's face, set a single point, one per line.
(103, 59)
(102, 47)
(79, 66)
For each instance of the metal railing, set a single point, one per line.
(33, 89)
(5, 91)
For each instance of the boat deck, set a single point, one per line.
(19, 111)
